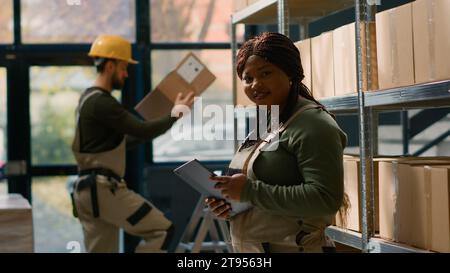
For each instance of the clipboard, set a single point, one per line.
(197, 176)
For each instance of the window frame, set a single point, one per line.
(161, 46)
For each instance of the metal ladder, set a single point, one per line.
(193, 239)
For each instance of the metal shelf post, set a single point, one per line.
(283, 17)
(366, 76)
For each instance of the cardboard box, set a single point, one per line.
(344, 59)
(400, 204)
(352, 180)
(190, 75)
(239, 5)
(386, 194)
(304, 47)
(439, 198)
(431, 28)
(422, 217)
(322, 65)
(16, 224)
(395, 47)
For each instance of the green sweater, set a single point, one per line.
(304, 176)
(104, 122)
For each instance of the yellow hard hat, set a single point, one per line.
(112, 47)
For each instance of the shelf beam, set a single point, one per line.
(416, 96)
(375, 245)
(427, 95)
(345, 237)
(265, 11)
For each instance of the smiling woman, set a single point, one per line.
(295, 188)
(264, 83)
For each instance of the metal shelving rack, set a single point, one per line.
(436, 94)
(365, 103)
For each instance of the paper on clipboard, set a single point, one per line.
(197, 176)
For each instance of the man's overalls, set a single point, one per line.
(258, 231)
(104, 203)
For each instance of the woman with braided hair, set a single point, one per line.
(297, 188)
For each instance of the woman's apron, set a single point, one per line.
(256, 230)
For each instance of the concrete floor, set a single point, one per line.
(54, 231)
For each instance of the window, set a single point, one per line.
(76, 21)
(191, 21)
(3, 147)
(54, 97)
(55, 228)
(166, 148)
(6, 22)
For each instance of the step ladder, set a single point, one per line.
(201, 223)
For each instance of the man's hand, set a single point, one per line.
(182, 104)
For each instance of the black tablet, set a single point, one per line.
(197, 176)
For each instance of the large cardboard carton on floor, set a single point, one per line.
(431, 28)
(395, 47)
(16, 224)
(190, 75)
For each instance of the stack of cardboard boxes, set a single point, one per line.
(414, 203)
(411, 199)
(413, 46)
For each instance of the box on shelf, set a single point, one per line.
(439, 199)
(322, 65)
(431, 28)
(403, 199)
(422, 209)
(190, 75)
(344, 57)
(16, 224)
(352, 182)
(304, 47)
(395, 47)
(239, 5)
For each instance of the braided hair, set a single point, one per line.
(279, 50)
